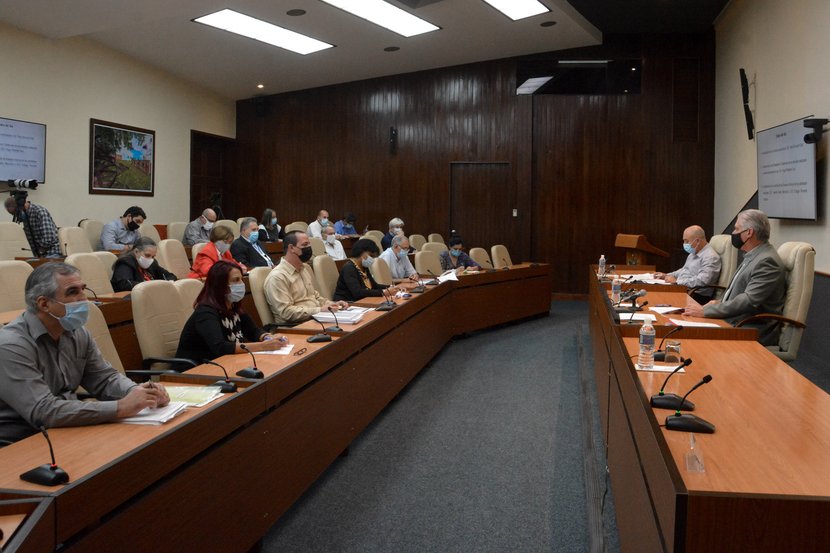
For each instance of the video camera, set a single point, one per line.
(19, 190)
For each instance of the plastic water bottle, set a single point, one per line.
(646, 359)
(602, 265)
(616, 288)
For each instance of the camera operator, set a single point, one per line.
(38, 225)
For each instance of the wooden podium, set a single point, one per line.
(636, 245)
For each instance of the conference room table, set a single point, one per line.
(218, 477)
(766, 480)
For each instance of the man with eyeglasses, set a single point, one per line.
(702, 267)
(198, 230)
(759, 284)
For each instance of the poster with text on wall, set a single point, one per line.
(122, 159)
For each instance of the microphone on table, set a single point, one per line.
(625, 296)
(687, 422)
(433, 276)
(320, 337)
(225, 386)
(634, 312)
(93, 292)
(336, 327)
(249, 372)
(634, 297)
(672, 401)
(506, 264)
(388, 305)
(421, 288)
(660, 355)
(49, 474)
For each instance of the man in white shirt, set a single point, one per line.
(398, 260)
(315, 228)
(702, 266)
(333, 246)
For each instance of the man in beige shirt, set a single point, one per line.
(288, 288)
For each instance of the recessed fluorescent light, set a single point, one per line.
(385, 15)
(532, 85)
(583, 62)
(262, 31)
(518, 9)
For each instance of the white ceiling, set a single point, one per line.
(161, 33)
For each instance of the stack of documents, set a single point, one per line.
(645, 278)
(160, 415)
(447, 275)
(196, 396)
(349, 316)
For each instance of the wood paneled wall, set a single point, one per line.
(582, 168)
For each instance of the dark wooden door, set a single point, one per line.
(211, 167)
(482, 204)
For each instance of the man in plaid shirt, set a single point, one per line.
(39, 227)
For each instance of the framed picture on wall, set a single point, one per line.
(121, 159)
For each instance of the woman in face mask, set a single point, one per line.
(356, 280)
(218, 248)
(456, 257)
(218, 324)
(269, 230)
(138, 265)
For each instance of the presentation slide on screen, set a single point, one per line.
(786, 172)
(22, 150)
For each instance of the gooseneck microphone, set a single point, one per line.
(336, 327)
(660, 355)
(249, 372)
(687, 422)
(93, 292)
(387, 305)
(634, 312)
(320, 337)
(661, 400)
(433, 276)
(225, 386)
(49, 474)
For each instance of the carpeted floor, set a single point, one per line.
(482, 452)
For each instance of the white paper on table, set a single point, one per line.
(159, 415)
(682, 322)
(659, 368)
(284, 350)
(637, 317)
(666, 310)
(638, 276)
(447, 275)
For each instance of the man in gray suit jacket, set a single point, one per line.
(759, 284)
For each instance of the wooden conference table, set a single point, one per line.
(766, 485)
(218, 477)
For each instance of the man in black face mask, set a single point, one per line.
(122, 233)
(759, 284)
(289, 289)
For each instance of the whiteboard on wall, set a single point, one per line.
(786, 172)
(22, 150)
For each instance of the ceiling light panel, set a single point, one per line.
(385, 15)
(241, 24)
(518, 9)
(532, 85)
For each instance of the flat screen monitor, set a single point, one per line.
(786, 172)
(22, 150)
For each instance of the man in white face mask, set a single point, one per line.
(198, 230)
(316, 227)
(46, 353)
(702, 266)
(333, 246)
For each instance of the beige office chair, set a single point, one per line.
(426, 261)
(233, 225)
(97, 327)
(189, 289)
(147, 230)
(92, 228)
(159, 317)
(436, 247)
(500, 257)
(107, 259)
(374, 238)
(173, 257)
(175, 230)
(479, 255)
(381, 273)
(301, 226)
(799, 262)
(722, 244)
(93, 272)
(325, 275)
(239, 220)
(417, 241)
(435, 237)
(73, 240)
(318, 247)
(194, 251)
(13, 275)
(13, 242)
(256, 281)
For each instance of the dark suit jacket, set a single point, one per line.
(244, 252)
(126, 273)
(759, 286)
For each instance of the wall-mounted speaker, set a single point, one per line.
(750, 124)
